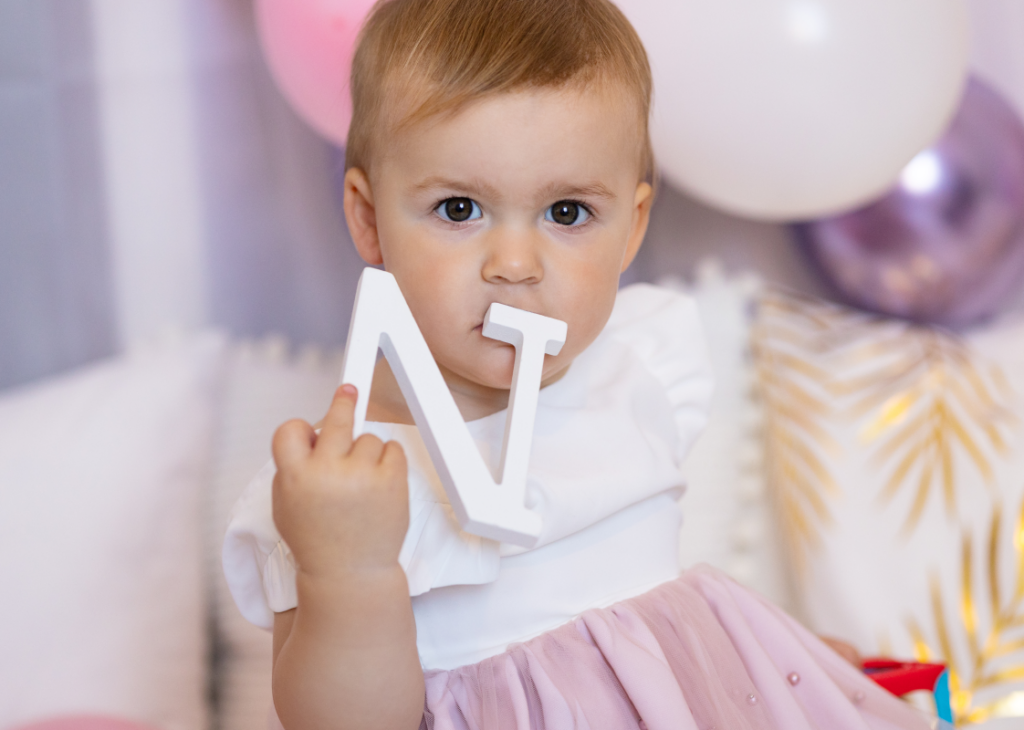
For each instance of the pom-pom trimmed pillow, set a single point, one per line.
(725, 520)
(264, 387)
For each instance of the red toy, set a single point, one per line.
(903, 677)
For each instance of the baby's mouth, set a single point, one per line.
(480, 325)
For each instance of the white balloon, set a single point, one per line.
(793, 109)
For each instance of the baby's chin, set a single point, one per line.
(491, 368)
(489, 364)
(496, 376)
(496, 372)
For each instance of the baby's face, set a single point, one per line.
(530, 199)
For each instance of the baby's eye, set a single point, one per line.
(567, 213)
(458, 210)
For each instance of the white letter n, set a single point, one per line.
(381, 319)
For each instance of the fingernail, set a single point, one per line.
(347, 390)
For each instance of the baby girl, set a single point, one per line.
(499, 152)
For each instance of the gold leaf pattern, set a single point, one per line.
(930, 404)
(924, 402)
(994, 646)
(798, 396)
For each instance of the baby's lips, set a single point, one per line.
(531, 310)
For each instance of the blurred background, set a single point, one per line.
(151, 176)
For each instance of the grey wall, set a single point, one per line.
(683, 232)
(56, 309)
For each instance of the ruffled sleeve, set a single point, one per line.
(663, 328)
(258, 566)
(260, 569)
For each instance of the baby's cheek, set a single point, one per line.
(587, 325)
(556, 365)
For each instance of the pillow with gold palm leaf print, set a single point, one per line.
(895, 458)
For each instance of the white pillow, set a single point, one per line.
(726, 520)
(911, 574)
(264, 388)
(101, 475)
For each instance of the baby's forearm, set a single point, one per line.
(346, 658)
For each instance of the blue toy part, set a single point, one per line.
(943, 704)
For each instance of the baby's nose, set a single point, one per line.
(513, 258)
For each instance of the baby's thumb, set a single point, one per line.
(293, 441)
(336, 430)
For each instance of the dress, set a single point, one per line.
(593, 627)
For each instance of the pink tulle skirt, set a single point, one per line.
(698, 653)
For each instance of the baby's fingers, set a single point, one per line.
(293, 441)
(393, 458)
(336, 432)
(367, 448)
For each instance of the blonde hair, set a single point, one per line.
(437, 55)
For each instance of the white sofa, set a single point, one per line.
(115, 486)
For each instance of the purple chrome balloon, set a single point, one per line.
(946, 245)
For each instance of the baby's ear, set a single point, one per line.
(642, 202)
(361, 216)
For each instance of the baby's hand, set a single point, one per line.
(846, 651)
(341, 506)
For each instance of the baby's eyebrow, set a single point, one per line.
(472, 187)
(593, 190)
(555, 190)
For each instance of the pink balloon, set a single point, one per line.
(309, 46)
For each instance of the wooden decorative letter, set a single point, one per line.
(492, 509)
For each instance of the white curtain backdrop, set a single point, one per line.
(151, 177)
(220, 201)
